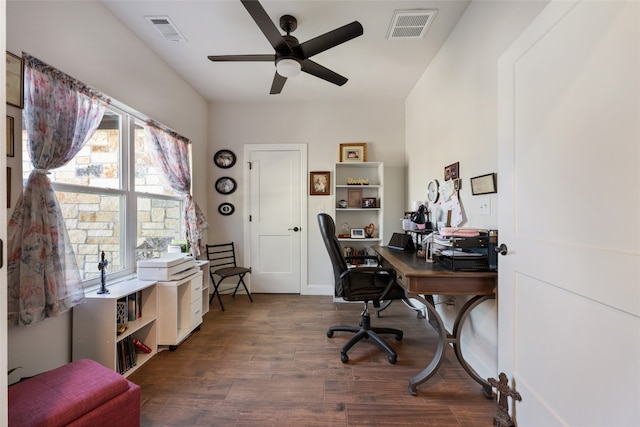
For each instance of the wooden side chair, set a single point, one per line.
(222, 263)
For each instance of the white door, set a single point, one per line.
(569, 196)
(276, 228)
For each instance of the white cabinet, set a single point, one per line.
(95, 334)
(361, 187)
(203, 265)
(179, 309)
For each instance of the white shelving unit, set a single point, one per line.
(203, 265)
(95, 324)
(359, 217)
(180, 307)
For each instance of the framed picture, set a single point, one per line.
(10, 137)
(8, 187)
(452, 171)
(484, 184)
(15, 80)
(225, 185)
(354, 152)
(226, 209)
(355, 198)
(369, 202)
(357, 233)
(319, 183)
(224, 159)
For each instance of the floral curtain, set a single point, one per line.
(60, 116)
(171, 153)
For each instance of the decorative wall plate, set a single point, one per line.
(226, 185)
(226, 209)
(224, 159)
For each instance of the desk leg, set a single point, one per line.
(454, 339)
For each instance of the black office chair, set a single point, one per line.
(366, 284)
(222, 263)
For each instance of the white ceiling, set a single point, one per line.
(377, 68)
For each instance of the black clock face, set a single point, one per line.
(225, 185)
(226, 208)
(224, 159)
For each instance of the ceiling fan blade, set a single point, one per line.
(278, 83)
(258, 58)
(331, 39)
(315, 69)
(266, 25)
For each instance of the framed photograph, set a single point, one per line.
(357, 233)
(484, 184)
(369, 202)
(10, 137)
(355, 198)
(452, 171)
(224, 159)
(354, 152)
(15, 80)
(8, 188)
(319, 183)
(226, 209)
(226, 185)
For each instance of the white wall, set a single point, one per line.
(85, 41)
(451, 116)
(322, 126)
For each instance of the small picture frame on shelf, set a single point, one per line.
(353, 152)
(369, 202)
(319, 183)
(357, 233)
(354, 198)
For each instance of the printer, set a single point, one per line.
(169, 267)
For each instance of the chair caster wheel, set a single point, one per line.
(393, 359)
(399, 337)
(344, 357)
(329, 334)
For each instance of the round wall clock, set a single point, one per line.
(224, 159)
(226, 208)
(433, 191)
(225, 185)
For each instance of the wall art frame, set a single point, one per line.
(369, 202)
(11, 146)
(226, 209)
(353, 152)
(354, 198)
(452, 171)
(320, 183)
(224, 159)
(484, 184)
(15, 80)
(226, 185)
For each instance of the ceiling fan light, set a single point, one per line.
(288, 67)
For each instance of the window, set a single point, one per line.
(100, 188)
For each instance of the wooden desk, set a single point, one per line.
(422, 280)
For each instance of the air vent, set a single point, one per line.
(410, 24)
(167, 28)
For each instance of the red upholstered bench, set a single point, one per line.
(81, 393)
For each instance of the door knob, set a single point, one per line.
(502, 249)
(294, 229)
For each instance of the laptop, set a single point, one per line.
(401, 242)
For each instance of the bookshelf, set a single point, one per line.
(95, 326)
(360, 215)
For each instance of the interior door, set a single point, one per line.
(569, 200)
(276, 228)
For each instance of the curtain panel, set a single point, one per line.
(171, 152)
(60, 116)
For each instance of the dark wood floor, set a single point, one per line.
(270, 363)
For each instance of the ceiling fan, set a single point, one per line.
(290, 56)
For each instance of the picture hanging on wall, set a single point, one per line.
(226, 209)
(484, 184)
(452, 171)
(226, 185)
(224, 159)
(320, 183)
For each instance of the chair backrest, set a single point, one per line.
(221, 255)
(328, 232)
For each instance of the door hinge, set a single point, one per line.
(249, 165)
(249, 218)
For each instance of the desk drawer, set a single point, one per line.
(196, 289)
(402, 279)
(196, 312)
